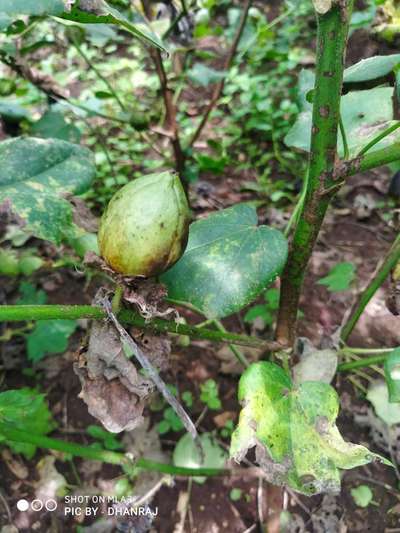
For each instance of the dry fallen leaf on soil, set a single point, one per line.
(18, 469)
(229, 362)
(51, 483)
(143, 441)
(315, 365)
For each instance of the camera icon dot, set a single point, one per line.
(22, 505)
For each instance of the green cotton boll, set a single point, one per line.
(144, 229)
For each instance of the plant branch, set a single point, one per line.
(366, 351)
(346, 169)
(42, 81)
(379, 137)
(184, 13)
(93, 67)
(361, 363)
(344, 139)
(219, 87)
(331, 45)
(389, 262)
(105, 456)
(237, 353)
(168, 98)
(377, 158)
(18, 313)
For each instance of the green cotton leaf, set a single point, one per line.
(365, 114)
(305, 85)
(339, 278)
(29, 263)
(36, 174)
(30, 295)
(52, 125)
(187, 454)
(392, 375)
(5, 21)
(174, 422)
(13, 111)
(235, 494)
(163, 427)
(33, 7)
(26, 410)
(209, 394)
(371, 68)
(363, 18)
(187, 398)
(378, 395)
(272, 298)
(228, 262)
(49, 337)
(259, 311)
(202, 75)
(9, 265)
(100, 12)
(362, 495)
(293, 430)
(110, 442)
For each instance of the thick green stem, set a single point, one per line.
(331, 45)
(18, 313)
(104, 456)
(389, 262)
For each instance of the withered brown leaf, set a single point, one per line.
(113, 390)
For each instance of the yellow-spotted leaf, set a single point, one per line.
(293, 429)
(229, 260)
(36, 174)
